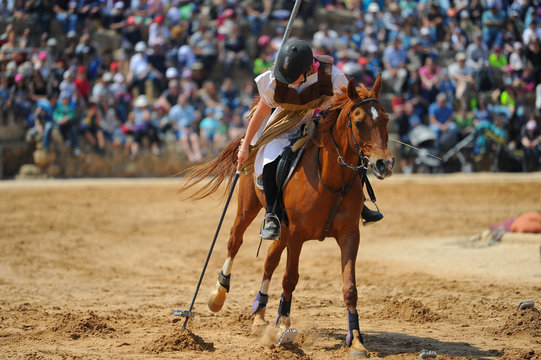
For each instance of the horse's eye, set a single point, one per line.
(359, 124)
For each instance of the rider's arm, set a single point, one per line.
(262, 112)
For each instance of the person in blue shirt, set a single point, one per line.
(441, 120)
(395, 74)
(493, 21)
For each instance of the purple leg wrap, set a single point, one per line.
(353, 324)
(260, 302)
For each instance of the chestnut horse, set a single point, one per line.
(354, 132)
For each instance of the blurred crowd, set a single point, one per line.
(463, 74)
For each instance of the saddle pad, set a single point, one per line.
(298, 154)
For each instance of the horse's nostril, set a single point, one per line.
(391, 162)
(381, 166)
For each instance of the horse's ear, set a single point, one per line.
(376, 89)
(352, 90)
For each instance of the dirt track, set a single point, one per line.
(93, 270)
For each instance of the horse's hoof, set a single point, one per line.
(359, 354)
(259, 322)
(217, 299)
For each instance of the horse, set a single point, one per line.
(354, 131)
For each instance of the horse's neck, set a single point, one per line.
(330, 166)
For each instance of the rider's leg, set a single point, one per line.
(370, 216)
(271, 228)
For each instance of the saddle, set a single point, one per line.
(291, 156)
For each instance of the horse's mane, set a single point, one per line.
(339, 103)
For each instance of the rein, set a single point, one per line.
(359, 170)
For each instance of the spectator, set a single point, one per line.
(109, 121)
(170, 96)
(533, 57)
(325, 39)
(212, 131)
(157, 30)
(257, 12)
(530, 144)
(229, 95)
(206, 50)
(184, 118)
(92, 127)
(82, 85)
(430, 79)
(20, 99)
(42, 115)
(161, 121)
(236, 127)
(497, 59)
(442, 122)
(516, 59)
(64, 119)
(131, 33)
(235, 51)
(493, 22)
(141, 127)
(66, 13)
(139, 70)
(531, 32)
(464, 121)
(394, 60)
(481, 112)
(186, 57)
(462, 76)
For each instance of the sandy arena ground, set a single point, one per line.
(93, 269)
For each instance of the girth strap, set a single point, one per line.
(340, 193)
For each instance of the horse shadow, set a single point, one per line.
(384, 344)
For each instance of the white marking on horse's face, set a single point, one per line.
(375, 113)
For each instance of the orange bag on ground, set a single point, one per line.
(527, 223)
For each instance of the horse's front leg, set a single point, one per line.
(289, 282)
(349, 245)
(260, 303)
(248, 207)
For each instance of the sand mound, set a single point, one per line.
(409, 310)
(177, 341)
(78, 326)
(522, 322)
(288, 352)
(521, 354)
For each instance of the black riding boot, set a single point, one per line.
(271, 226)
(371, 216)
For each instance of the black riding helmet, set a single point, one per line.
(293, 60)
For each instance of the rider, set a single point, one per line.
(298, 85)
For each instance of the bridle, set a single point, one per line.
(363, 161)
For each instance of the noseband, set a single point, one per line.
(363, 161)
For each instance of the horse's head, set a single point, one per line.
(367, 123)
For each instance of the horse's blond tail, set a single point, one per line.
(221, 168)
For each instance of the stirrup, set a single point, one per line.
(276, 236)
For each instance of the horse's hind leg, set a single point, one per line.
(260, 303)
(248, 207)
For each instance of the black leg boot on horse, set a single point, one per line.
(271, 227)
